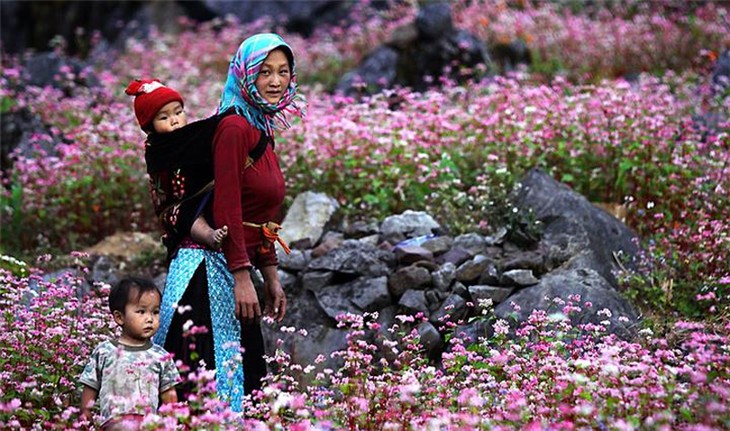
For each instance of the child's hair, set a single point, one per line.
(120, 294)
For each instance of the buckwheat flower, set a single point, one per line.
(604, 312)
(44, 258)
(187, 325)
(183, 308)
(501, 327)
(609, 369)
(404, 318)
(710, 296)
(282, 401)
(582, 363)
(557, 317)
(646, 332)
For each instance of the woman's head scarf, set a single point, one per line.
(240, 90)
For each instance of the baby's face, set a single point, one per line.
(172, 116)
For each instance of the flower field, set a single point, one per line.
(457, 152)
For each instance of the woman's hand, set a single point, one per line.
(247, 302)
(275, 297)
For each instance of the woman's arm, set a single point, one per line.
(247, 302)
(275, 296)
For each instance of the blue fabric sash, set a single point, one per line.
(226, 328)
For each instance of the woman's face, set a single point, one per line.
(273, 79)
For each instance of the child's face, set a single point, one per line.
(141, 318)
(172, 116)
(274, 77)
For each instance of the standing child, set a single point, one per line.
(129, 376)
(160, 110)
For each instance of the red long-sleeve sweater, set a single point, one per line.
(253, 195)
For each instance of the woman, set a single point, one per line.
(259, 94)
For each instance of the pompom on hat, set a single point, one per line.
(150, 96)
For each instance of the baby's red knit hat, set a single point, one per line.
(150, 96)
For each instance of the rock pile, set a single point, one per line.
(406, 265)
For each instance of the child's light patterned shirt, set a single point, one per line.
(129, 379)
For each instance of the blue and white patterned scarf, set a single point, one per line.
(240, 90)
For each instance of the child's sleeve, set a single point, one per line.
(91, 376)
(169, 376)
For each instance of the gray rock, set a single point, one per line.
(307, 217)
(335, 300)
(297, 260)
(412, 253)
(507, 56)
(473, 242)
(301, 17)
(452, 310)
(370, 240)
(322, 338)
(362, 294)
(518, 277)
(455, 256)
(376, 72)
(360, 228)
(566, 214)
(329, 242)
(444, 276)
(494, 293)
(409, 277)
(490, 275)
(429, 337)
(496, 239)
(434, 298)
(410, 224)
(438, 245)
(315, 280)
(434, 21)
(288, 281)
(525, 259)
(105, 271)
(44, 69)
(386, 319)
(459, 289)
(587, 283)
(356, 258)
(18, 133)
(414, 300)
(471, 270)
(371, 294)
